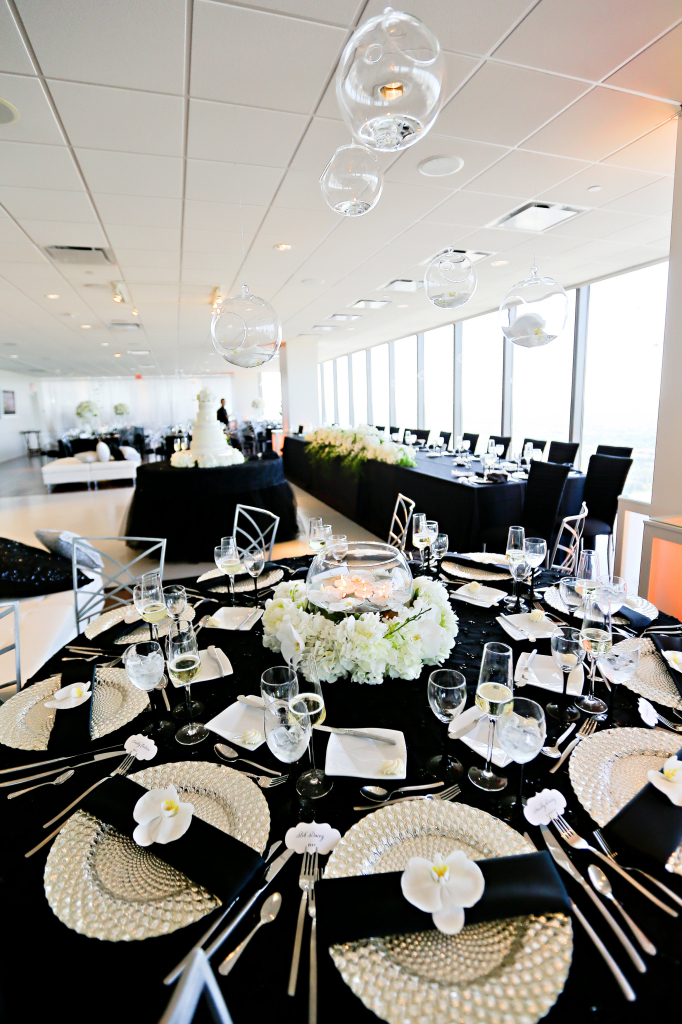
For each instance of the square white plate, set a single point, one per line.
(477, 739)
(545, 673)
(233, 618)
(237, 719)
(209, 669)
(540, 630)
(487, 596)
(362, 759)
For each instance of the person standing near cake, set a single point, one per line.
(222, 413)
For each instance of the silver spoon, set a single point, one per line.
(554, 751)
(268, 913)
(603, 886)
(161, 685)
(229, 754)
(64, 777)
(381, 795)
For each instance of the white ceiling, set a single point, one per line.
(146, 123)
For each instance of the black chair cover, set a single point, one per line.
(609, 449)
(534, 442)
(563, 451)
(504, 441)
(604, 483)
(473, 441)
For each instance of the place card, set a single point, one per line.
(309, 837)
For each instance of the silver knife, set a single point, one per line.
(55, 771)
(246, 624)
(562, 859)
(566, 753)
(54, 760)
(253, 702)
(466, 729)
(368, 735)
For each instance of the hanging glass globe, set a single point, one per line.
(534, 311)
(389, 82)
(352, 181)
(246, 330)
(450, 279)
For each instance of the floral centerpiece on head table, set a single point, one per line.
(356, 445)
(87, 411)
(121, 409)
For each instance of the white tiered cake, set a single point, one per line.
(209, 448)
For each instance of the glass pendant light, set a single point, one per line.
(534, 311)
(246, 330)
(450, 279)
(352, 181)
(389, 83)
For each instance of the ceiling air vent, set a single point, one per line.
(536, 217)
(78, 254)
(120, 325)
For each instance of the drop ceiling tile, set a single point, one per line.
(20, 253)
(131, 236)
(596, 224)
(657, 70)
(477, 208)
(131, 174)
(202, 240)
(137, 46)
(655, 200)
(599, 123)
(433, 234)
(168, 258)
(96, 117)
(460, 25)
(334, 12)
(211, 181)
(27, 165)
(476, 156)
(143, 211)
(222, 216)
(155, 293)
(151, 275)
(653, 152)
(614, 182)
(643, 232)
(586, 37)
(229, 133)
(525, 174)
(540, 247)
(36, 121)
(227, 70)
(300, 190)
(48, 204)
(503, 104)
(493, 240)
(13, 55)
(51, 232)
(222, 262)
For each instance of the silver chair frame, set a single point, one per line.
(119, 580)
(264, 539)
(7, 609)
(569, 563)
(402, 516)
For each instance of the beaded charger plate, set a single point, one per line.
(268, 579)
(162, 628)
(101, 884)
(473, 573)
(652, 678)
(510, 970)
(553, 599)
(25, 723)
(115, 701)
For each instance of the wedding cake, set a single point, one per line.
(210, 447)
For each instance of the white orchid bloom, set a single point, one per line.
(443, 887)
(669, 781)
(674, 659)
(161, 817)
(292, 644)
(647, 712)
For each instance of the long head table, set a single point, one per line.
(462, 511)
(48, 968)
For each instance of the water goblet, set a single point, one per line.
(571, 593)
(310, 701)
(618, 665)
(568, 652)
(521, 734)
(278, 683)
(254, 563)
(588, 566)
(536, 552)
(613, 589)
(432, 530)
(184, 665)
(175, 599)
(597, 639)
(287, 731)
(316, 534)
(439, 548)
(339, 546)
(447, 693)
(144, 665)
(494, 696)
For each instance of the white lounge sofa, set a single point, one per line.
(72, 471)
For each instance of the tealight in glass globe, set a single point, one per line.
(450, 279)
(352, 181)
(389, 83)
(246, 330)
(534, 311)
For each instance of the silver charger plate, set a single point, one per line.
(268, 579)
(467, 573)
(105, 621)
(162, 628)
(510, 970)
(101, 884)
(25, 723)
(115, 701)
(553, 599)
(652, 678)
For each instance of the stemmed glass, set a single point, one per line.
(536, 552)
(310, 702)
(254, 563)
(432, 530)
(439, 548)
(568, 652)
(516, 554)
(144, 665)
(226, 558)
(499, 450)
(494, 696)
(184, 665)
(488, 463)
(521, 734)
(447, 692)
(571, 593)
(618, 666)
(596, 638)
(588, 566)
(287, 732)
(149, 602)
(278, 683)
(420, 537)
(175, 599)
(339, 546)
(519, 572)
(316, 533)
(613, 589)
(466, 445)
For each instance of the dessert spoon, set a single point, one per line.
(381, 795)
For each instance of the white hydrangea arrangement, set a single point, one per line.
(121, 409)
(185, 460)
(87, 410)
(366, 647)
(358, 444)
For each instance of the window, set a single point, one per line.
(625, 327)
(359, 371)
(328, 392)
(271, 393)
(380, 385)
(438, 379)
(541, 390)
(482, 377)
(342, 394)
(405, 356)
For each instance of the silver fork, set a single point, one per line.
(305, 881)
(612, 856)
(578, 843)
(445, 794)
(312, 912)
(263, 781)
(586, 729)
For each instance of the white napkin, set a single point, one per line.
(237, 719)
(477, 739)
(209, 669)
(362, 759)
(64, 699)
(234, 618)
(545, 673)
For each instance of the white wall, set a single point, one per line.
(298, 363)
(27, 416)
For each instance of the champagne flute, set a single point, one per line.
(447, 693)
(144, 665)
(568, 652)
(536, 552)
(618, 665)
(254, 563)
(226, 557)
(310, 702)
(494, 696)
(315, 535)
(184, 665)
(420, 537)
(287, 733)
(596, 638)
(516, 554)
(432, 531)
(521, 734)
(149, 602)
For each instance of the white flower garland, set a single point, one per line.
(230, 457)
(367, 647)
(359, 444)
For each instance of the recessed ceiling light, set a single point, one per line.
(86, 327)
(139, 351)
(594, 188)
(535, 217)
(148, 366)
(117, 355)
(326, 327)
(51, 296)
(440, 166)
(404, 305)
(350, 328)
(370, 304)
(14, 356)
(282, 246)
(499, 263)
(402, 285)
(105, 344)
(344, 316)
(133, 312)
(8, 112)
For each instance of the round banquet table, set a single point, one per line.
(194, 508)
(48, 966)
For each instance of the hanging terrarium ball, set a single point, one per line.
(352, 181)
(389, 82)
(450, 279)
(246, 330)
(534, 311)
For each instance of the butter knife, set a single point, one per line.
(368, 735)
(55, 771)
(466, 729)
(54, 760)
(246, 624)
(569, 750)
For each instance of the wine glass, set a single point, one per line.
(499, 450)
(488, 462)
(184, 665)
(571, 593)
(175, 599)
(287, 732)
(226, 557)
(149, 602)
(516, 555)
(494, 696)
(458, 445)
(439, 548)
(339, 546)
(536, 552)
(466, 445)
(420, 536)
(254, 563)
(315, 534)
(521, 734)
(447, 693)
(310, 701)
(568, 652)
(278, 683)
(596, 638)
(613, 589)
(144, 665)
(432, 530)
(176, 444)
(618, 665)
(588, 566)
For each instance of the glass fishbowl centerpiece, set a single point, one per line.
(371, 577)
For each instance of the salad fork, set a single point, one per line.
(445, 794)
(305, 881)
(612, 856)
(263, 781)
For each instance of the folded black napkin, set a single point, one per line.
(362, 906)
(636, 619)
(71, 729)
(221, 863)
(669, 643)
(649, 824)
(496, 476)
